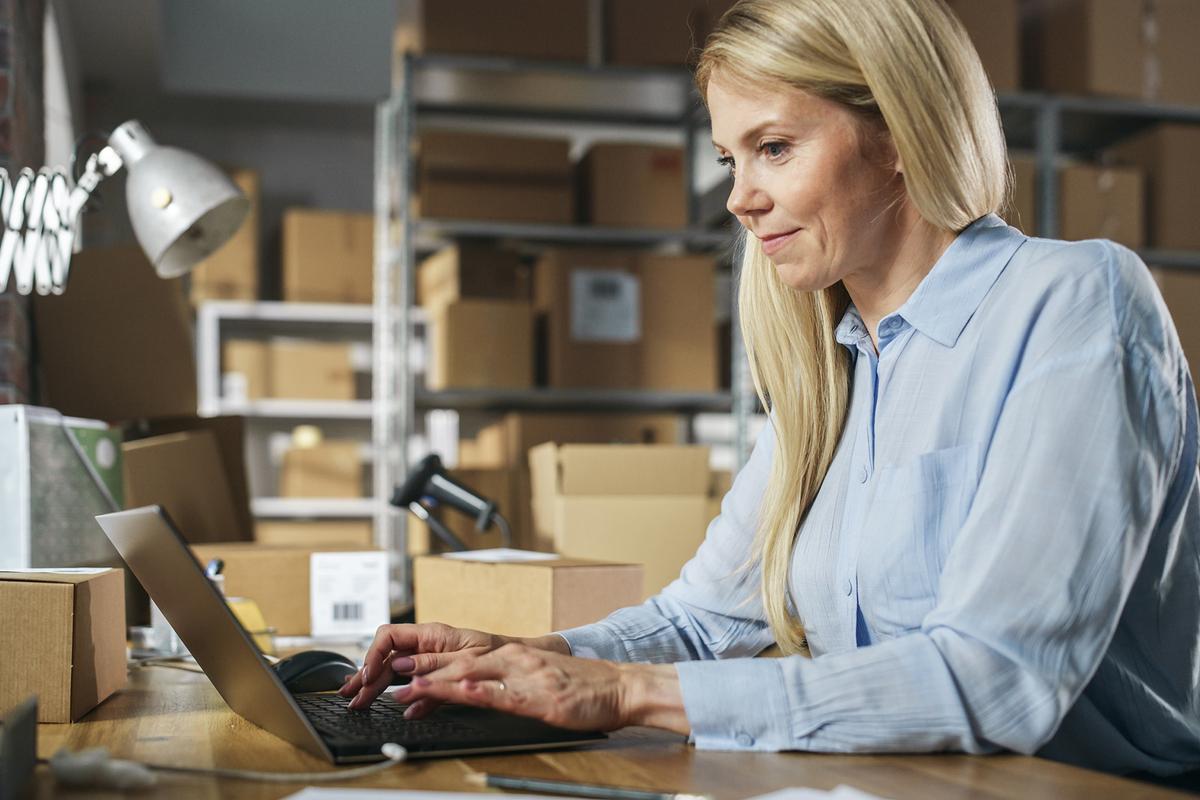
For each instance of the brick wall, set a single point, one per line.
(22, 141)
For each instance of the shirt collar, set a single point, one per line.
(945, 300)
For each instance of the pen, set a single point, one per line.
(571, 788)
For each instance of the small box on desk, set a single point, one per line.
(518, 593)
(62, 634)
(307, 591)
(328, 256)
(646, 504)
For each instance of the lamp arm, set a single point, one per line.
(40, 215)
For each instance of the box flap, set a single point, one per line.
(61, 575)
(632, 469)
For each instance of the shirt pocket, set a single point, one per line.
(915, 512)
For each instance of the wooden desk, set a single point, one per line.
(169, 716)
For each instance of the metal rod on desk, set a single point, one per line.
(571, 788)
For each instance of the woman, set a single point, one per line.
(977, 502)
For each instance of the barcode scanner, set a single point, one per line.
(428, 486)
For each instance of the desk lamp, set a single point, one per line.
(428, 486)
(182, 209)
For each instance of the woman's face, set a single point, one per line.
(812, 181)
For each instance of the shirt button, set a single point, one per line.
(849, 588)
(863, 474)
(745, 739)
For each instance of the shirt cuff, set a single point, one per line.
(595, 641)
(738, 704)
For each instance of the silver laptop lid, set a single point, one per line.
(150, 543)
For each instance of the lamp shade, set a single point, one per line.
(182, 208)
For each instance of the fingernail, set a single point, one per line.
(403, 665)
(408, 712)
(400, 691)
(357, 699)
(366, 674)
(420, 681)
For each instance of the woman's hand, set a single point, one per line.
(576, 693)
(419, 649)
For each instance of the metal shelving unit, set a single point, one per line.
(450, 88)
(312, 508)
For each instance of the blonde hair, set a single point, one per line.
(910, 65)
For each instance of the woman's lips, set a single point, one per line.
(773, 244)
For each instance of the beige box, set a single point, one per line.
(231, 273)
(522, 598)
(472, 272)
(480, 176)
(331, 468)
(657, 34)
(245, 369)
(1122, 48)
(638, 503)
(506, 442)
(995, 29)
(62, 636)
(1101, 203)
(1181, 291)
(277, 578)
(328, 256)
(1166, 154)
(633, 186)
(618, 320)
(185, 474)
(354, 534)
(481, 344)
(553, 30)
(311, 370)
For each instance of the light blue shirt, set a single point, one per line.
(1003, 554)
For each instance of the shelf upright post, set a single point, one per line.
(208, 360)
(1048, 146)
(391, 384)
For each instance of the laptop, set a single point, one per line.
(320, 723)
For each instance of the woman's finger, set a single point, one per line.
(419, 709)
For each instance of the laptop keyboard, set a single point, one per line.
(383, 722)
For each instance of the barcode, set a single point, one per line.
(347, 611)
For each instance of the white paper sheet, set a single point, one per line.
(501, 554)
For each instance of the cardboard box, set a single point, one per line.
(481, 343)
(519, 596)
(465, 271)
(637, 503)
(506, 443)
(995, 29)
(720, 482)
(555, 30)
(183, 472)
(63, 639)
(1139, 50)
(328, 256)
(231, 273)
(658, 34)
(245, 370)
(633, 186)
(1101, 203)
(481, 176)
(1021, 211)
(1181, 291)
(1167, 156)
(280, 580)
(618, 320)
(330, 469)
(118, 344)
(352, 534)
(306, 370)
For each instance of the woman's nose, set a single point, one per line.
(744, 199)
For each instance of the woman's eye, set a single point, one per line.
(726, 162)
(773, 149)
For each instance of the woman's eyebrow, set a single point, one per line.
(753, 133)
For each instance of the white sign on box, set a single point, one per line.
(349, 594)
(606, 306)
